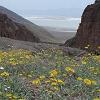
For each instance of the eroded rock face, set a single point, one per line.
(88, 33)
(97, 1)
(13, 30)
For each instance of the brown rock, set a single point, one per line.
(88, 33)
(37, 31)
(13, 30)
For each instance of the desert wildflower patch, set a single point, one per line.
(48, 75)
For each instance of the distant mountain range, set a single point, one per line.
(56, 21)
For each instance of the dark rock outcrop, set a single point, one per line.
(88, 33)
(97, 1)
(13, 30)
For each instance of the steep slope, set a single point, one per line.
(39, 32)
(11, 29)
(88, 33)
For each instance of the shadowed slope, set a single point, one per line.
(39, 32)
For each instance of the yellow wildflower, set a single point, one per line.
(27, 56)
(87, 81)
(4, 74)
(56, 88)
(48, 81)
(84, 62)
(29, 75)
(53, 73)
(9, 95)
(98, 90)
(42, 77)
(96, 99)
(79, 78)
(93, 82)
(60, 81)
(64, 75)
(36, 82)
(14, 97)
(13, 63)
(54, 83)
(11, 59)
(53, 79)
(68, 69)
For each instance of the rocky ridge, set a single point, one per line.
(13, 30)
(88, 33)
(36, 30)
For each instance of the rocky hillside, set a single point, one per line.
(88, 33)
(38, 32)
(11, 29)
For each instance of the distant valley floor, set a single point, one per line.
(61, 34)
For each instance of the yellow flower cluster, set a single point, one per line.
(4, 74)
(13, 97)
(96, 99)
(36, 82)
(53, 73)
(87, 81)
(79, 79)
(15, 57)
(42, 77)
(54, 81)
(54, 84)
(69, 69)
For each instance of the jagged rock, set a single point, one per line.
(88, 33)
(97, 1)
(13, 30)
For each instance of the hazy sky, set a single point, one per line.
(44, 4)
(69, 8)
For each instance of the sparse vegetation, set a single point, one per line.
(48, 75)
